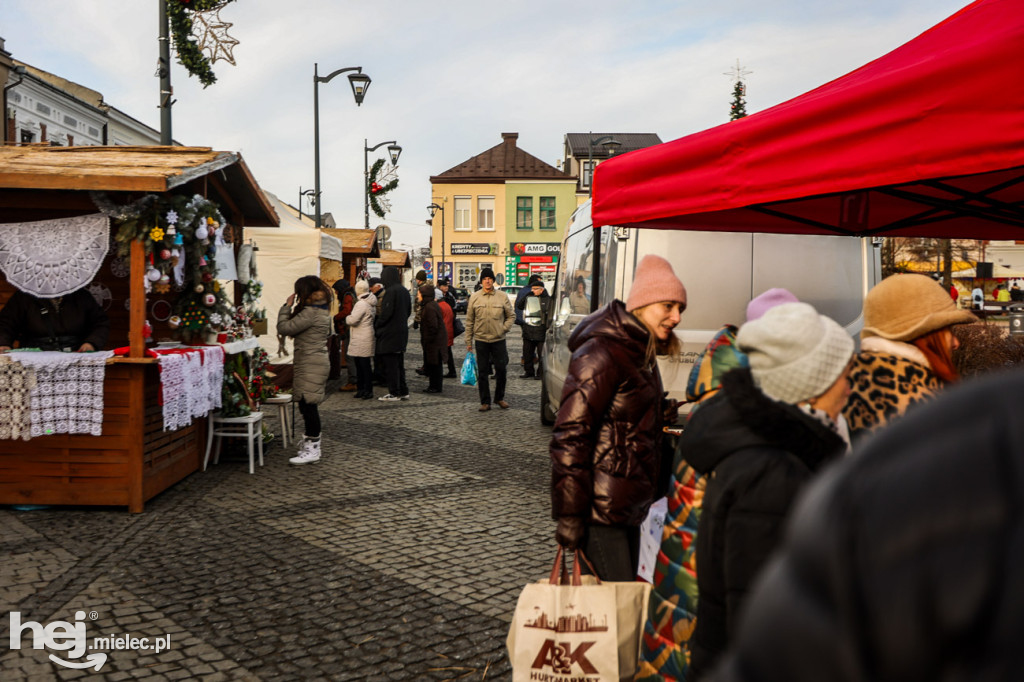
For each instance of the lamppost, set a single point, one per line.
(610, 144)
(360, 83)
(434, 208)
(395, 151)
(305, 193)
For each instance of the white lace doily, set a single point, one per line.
(190, 384)
(51, 258)
(68, 394)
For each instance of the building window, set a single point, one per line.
(524, 213)
(27, 137)
(42, 108)
(547, 213)
(485, 213)
(587, 172)
(462, 207)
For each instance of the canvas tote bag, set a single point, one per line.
(577, 628)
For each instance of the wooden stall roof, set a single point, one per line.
(399, 259)
(133, 169)
(355, 241)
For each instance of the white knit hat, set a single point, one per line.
(795, 354)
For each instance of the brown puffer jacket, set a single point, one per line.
(606, 443)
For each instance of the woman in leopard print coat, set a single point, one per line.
(906, 350)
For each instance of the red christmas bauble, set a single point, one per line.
(375, 188)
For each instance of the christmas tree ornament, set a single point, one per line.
(207, 276)
(152, 274)
(202, 232)
(164, 280)
(199, 288)
(209, 300)
(174, 322)
(165, 254)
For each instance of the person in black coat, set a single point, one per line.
(758, 442)
(444, 284)
(534, 311)
(433, 337)
(392, 331)
(904, 562)
(73, 322)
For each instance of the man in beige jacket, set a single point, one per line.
(489, 316)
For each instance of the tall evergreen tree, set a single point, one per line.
(738, 108)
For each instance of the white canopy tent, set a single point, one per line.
(285, 254)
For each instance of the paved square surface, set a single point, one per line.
(399, 556)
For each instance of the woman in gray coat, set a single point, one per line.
(309, 323)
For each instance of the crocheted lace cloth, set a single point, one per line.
(51, 258)
(68, 392)
(190, 382)
(16, 383)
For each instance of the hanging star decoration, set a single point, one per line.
(378, 184)
(213, 36)
(183, 15)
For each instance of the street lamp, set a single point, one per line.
(395, 151)
(610, 145)
(434, 208)
(360, 83)
(305, 193)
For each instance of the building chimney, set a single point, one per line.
(510, 138)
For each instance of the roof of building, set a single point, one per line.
(399, 259)
(505, 161)
(355, 241)
(578, 144)
(133, 169)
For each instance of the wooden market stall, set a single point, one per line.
(133, 458)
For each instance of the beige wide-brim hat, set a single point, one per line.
(905, 307)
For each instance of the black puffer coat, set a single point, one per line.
(606, 443)
(392, 323)
(433, 335)
(903, 563)
(758, 454)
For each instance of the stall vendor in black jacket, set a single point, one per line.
(74, 322)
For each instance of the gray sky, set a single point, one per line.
(449, 77)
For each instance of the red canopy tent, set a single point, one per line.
(926, 141)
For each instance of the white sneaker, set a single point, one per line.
(404, 397)
(309, 452)
(389, 398)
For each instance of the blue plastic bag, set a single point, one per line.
(468, 375)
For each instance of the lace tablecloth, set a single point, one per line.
(68, 392)
(16, 382)
(190, 383)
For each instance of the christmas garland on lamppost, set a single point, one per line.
(377, 187)
(190, 54)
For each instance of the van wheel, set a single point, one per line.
(547, 415)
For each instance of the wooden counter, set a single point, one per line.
(132, 461)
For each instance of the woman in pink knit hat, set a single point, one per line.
(606, 452)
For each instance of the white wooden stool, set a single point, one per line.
(281, 402)
(249, 427)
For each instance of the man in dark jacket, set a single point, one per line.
(73, 322)
(534, 310)
(903, 563)
(392, 331)
(523, 292)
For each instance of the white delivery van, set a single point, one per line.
(722, 271)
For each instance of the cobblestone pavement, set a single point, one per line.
(398, 556)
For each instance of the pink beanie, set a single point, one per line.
(654, 282)
(768, 300)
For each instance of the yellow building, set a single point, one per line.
(504, 209)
